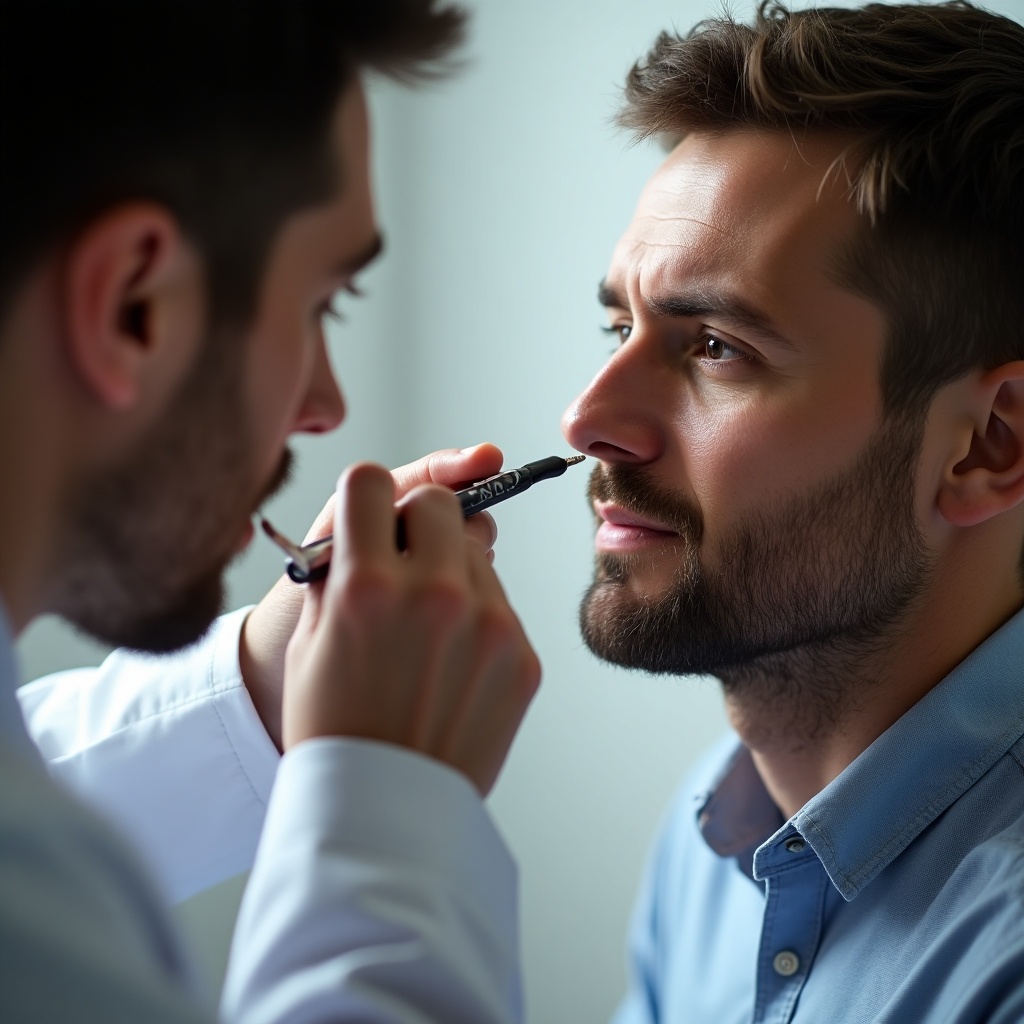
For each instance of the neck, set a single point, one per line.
(807, 714)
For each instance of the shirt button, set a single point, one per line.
(795, 844)
(786, 963)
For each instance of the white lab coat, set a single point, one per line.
(381, 890)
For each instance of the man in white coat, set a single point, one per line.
(185, 189)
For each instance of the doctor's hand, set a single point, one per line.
(270, 625)
(417, 648)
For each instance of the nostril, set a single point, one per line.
(611, 452)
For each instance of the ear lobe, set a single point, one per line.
(116, 272)
(990, 478)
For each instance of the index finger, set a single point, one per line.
(449, 467)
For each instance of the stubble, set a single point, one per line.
(802, 597)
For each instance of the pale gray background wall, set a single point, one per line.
(502, 194)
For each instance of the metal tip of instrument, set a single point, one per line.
(573, 459)
(283, 542)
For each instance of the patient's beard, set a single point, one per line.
(800, 593)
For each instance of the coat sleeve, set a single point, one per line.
(381, 893)
(169, 749)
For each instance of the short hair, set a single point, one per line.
(218, 109)
(932, 98)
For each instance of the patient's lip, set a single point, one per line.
(622, 531)
(616, 515)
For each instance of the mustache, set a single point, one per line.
(633, 488)
(282, 475)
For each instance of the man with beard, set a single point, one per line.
(185, 187)
(811, 485)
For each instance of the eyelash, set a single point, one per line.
(327, 310)
(705, 336)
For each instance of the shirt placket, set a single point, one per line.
(794, 909)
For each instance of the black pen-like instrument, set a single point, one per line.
(310, 561)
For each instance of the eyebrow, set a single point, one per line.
(702, 302)
(366, 255)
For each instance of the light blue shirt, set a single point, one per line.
(894, 896)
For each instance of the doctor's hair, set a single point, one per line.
(931, 98)
(220, 110)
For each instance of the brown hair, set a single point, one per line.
(933, 99)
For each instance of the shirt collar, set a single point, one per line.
(734, 812)
(13, 733)
(862, 820)
(921, 765)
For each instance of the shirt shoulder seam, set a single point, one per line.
(215, 692)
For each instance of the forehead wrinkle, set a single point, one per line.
(690, 288)
(729, 221)
(667, 270)
(680, 218)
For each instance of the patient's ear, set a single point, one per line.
(990, 478)
(124, 301)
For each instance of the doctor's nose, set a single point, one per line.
(323, 408)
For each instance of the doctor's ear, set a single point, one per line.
(989, 479)
(132, 295)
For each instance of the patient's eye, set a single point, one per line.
(718, 350)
